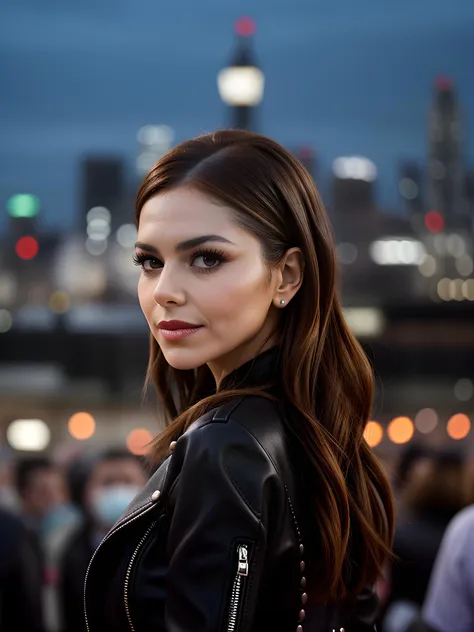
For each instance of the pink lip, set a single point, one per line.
(176, 329)
(177, 334)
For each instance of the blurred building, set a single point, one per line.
(445, 137)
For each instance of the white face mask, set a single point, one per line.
(109, 503)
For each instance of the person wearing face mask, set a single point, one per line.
(114, 479)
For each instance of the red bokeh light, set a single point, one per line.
(306, 152)
(27, 247)
(434, 222)
(245, 27)
(443, 83)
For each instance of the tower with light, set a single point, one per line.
(241, 84)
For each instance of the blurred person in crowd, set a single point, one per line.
(8, 495)
(103, 488)
(268, 510)
(44, 509)
(401, 473)
(433, 493)
(409, 457)
(21, 577)
(41, 489)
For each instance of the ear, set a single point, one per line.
(291, 270)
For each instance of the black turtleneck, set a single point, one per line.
(259, 371)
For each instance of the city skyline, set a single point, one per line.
(87, 79)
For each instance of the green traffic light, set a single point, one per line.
(23, 205)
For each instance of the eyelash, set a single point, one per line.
(139, 259)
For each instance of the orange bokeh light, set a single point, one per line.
(400, 430)
(138, 440)
(81, 426)
(373, 433)
(458, 426)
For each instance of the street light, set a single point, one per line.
(242, 83)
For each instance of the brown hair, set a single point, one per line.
(327, 378)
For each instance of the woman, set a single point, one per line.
(268, 511)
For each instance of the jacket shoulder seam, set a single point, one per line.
(262, 447)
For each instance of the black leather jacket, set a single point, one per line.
(213, 541)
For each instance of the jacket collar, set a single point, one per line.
(260, 371)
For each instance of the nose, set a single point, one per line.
(168, 290)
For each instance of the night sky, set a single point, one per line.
(347, 77)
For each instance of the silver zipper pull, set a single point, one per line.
(243, 568)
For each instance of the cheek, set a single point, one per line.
(244, 290)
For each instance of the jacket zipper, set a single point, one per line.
(143, 510)
(129, 573)
(238, 586)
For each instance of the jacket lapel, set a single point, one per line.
(146, 496)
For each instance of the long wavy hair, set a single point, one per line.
(328, 381)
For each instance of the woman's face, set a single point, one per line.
(201, 268)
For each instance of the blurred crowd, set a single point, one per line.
(53, 517)
(51, 521)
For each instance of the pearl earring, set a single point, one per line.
(282, 302)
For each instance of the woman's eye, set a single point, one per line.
(206, 261)
(152, 264)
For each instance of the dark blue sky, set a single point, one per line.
(346, 77)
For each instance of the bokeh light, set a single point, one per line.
(455, 245)
(6, 321)
(426, 420)
(468, 289)
(27, 247)
(245, 27)
(28, 435)
(346, 253)
(127, 235)
(434, 222)
(408, 188)
(452, 289)
(400, 430)
(8, 287)
(59, 302)
(81, 426)
(373, 433)
(428, 266)
(138, 440)
(23, 205)
(98, 229)
(458, 426)
(464, 265)
(99, 212)
(96, 247)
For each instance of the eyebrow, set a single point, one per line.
(189, 244)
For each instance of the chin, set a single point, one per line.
(183, 359)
